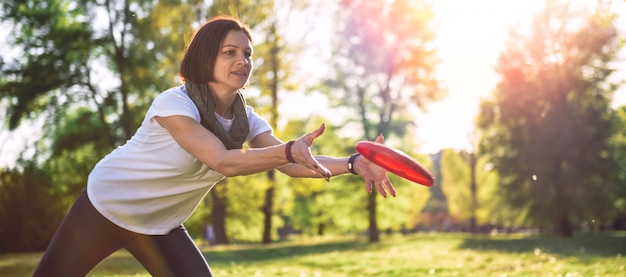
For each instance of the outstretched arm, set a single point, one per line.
(208, 149)
(373, 175)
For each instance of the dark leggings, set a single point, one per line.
(85, 238)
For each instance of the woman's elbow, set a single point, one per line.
(222, 168)
(227, 171)
(223, 165)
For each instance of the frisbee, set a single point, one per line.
(395, 161)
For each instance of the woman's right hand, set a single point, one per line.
(301, 152)
(374, 175)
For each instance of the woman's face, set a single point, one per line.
(233, 64)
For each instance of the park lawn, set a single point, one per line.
(423, 254)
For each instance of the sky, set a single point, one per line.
(470, 36)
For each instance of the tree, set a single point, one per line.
(89, 68)
(383, 65)
(470, 186)
(273, 74)
(436, 209)
(455, 176)
(66, 58)
(107, 64)
(618, 155)
(547, 127)
(29, 212)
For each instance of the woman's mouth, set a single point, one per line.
(240, 73)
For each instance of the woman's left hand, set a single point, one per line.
(374, 175)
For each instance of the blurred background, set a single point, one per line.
(516, 107)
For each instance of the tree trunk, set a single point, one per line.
(472, 158)
(268, 207)
(562, 202)
(218, 195)
(320, 229)
(564, 226)
(374, 235)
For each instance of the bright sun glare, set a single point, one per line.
(470, 36)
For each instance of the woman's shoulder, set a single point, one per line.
(174, 92)
(173, 101)
(250, 110)
(173, 95)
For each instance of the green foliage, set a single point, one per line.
(29, 211)
(48, 31)
(546, 130)
(244, 217)
(455, 183)
(618, 154)
(115, 64)
(80, 128)
(244, 220)
(403, 212)
(491, 206)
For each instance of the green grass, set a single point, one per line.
(411, 255)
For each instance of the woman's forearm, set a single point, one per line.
(238, 162)
(336, 166)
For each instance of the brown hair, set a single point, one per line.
(201, 53)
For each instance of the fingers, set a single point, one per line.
(380, 138)
(322, 170)
(302, 153)
(312, 163)
(382, 187)
(387, 184)
(369, 186)
(310, 137)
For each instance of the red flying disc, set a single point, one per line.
(395, 161)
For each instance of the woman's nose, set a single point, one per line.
(243, 59)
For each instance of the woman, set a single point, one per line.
(139, 195)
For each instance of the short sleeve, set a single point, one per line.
(173, 102)
(257, 124)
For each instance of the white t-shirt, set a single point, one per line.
(151, 185)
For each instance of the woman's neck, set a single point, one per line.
(224, 111)
(224, 103)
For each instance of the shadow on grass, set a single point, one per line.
(270, 252)
(598, 244)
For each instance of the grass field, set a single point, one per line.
(600, 254)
